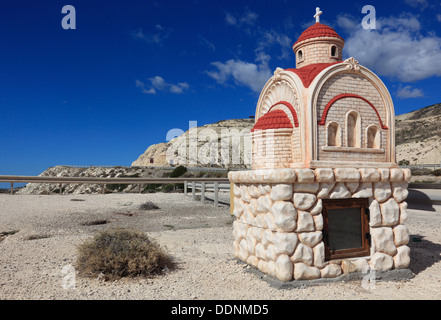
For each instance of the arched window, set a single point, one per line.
(353, 129)
(300, 55)
(334, 135)
(373, 139)
(334, 51)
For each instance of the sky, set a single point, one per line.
(130, 71)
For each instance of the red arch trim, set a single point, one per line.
(291, 108)
(322, 122)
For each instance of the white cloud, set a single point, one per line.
(409, 92)
(397, 48)
(159, 84)
(422, 4)
(248, 74)
(248, 19)
(438, 17)
(155, 37)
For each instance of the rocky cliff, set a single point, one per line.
(229, 139)
(418, 136)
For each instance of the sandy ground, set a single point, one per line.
(199, 236)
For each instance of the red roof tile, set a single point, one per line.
(276, 119)
(318, 30)
(308, 73)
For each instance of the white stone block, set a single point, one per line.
(319, 255)
(348, 267)
(346, 175)
(253, 207)
(267, 237)
(403, 212)
(324, 189)
(243, 250)
(352, 186)
(407, 175)
(305, 272)
(324, 175)
(381, 262)
(304, 201)
(402, 258)
(285, 243)
(383, 239)
(259, 221)
(258, 233)
(271, 254)
(271, 268)
(264, 204)
(264, 189)
(254, 191)
(284, 268)
(253, 261)
(285, 215)
(340, 192)
(281, 192)
(401, 235)
(331, 271)
(236, 190)
(305, 175)
(375, 214)
(311, 239)
(400, 191)
(382, 191)
(244, 193)
(384, 174)
(303, 254)
(305, 222)
(369, 175)
(365, 190)
(361, 265)
(318, 222)
(251, 242)
(396, 174)
(263, 266)
(269, 221)
(317, 207)
(390, 212)
(260, 251)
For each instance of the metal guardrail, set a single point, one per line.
(422, 166)
(140, 181)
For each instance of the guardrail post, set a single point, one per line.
(216, 194)
(185, 187)
(12, 187)
(103, 189)
(203, 192)
(193, 190)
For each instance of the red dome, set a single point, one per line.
(276, 119)
(318, 30)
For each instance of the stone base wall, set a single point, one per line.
(279, 221)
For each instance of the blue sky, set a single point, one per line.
(133, 70)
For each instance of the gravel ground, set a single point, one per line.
(199, 236)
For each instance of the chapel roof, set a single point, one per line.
(318, 30)
(276, 119)
(308, 73)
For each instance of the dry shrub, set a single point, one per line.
(148, 206)
(119, 253)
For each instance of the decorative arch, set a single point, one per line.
(373, 137)
(292, 112)
(283, 86)
(353, 129)
(322, 122)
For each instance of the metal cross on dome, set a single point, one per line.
(317, 15)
